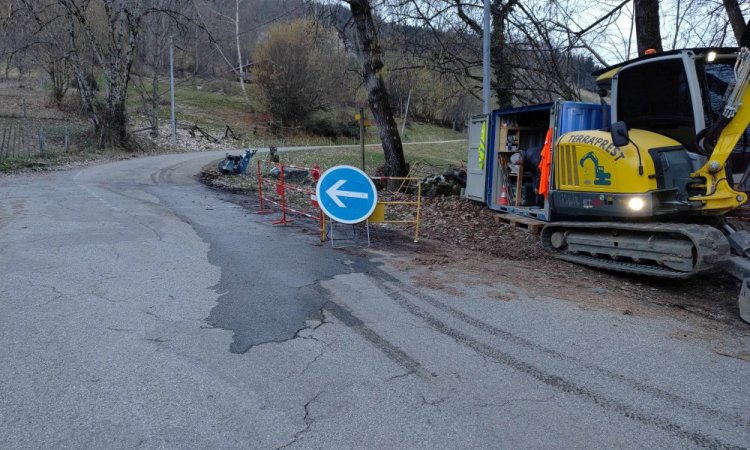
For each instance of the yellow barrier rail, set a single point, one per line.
(379, 215)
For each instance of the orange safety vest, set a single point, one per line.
(545, 164)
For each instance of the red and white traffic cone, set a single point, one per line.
(503, 199)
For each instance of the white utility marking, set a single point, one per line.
(335, 193)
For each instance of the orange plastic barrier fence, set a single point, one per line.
(279, 190)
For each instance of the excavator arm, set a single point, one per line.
(719, 194)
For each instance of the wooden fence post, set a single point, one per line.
(20, 141)
(16, 139)
(41, 141)
(2, 143)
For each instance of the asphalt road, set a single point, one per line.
(141, 310)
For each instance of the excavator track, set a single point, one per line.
(667, 250)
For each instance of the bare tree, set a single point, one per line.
(234, 20)
(44, 46)
(647, 29)
(531, 60)
(735, 18)
(15, 36)
(114, 53)
(535, 45)
(159, 32)
(501, 52)
(7, 30)
(107, 32)
(370, 54)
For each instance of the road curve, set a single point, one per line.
(141, 309)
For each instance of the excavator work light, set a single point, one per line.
(711, 57)
(636, 203)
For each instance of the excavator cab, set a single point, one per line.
(674, 164)
(682, 96)
(656, 96)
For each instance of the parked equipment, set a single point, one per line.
(236, 164)
(647, 194)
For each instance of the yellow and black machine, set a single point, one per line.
(648, 193)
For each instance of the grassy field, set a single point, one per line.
(439, 156)
(212, 105)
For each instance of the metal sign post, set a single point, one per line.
(362, 135)
(347, 195)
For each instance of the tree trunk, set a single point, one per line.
(115, 54)
(735, 18)
(647, 31)
(60, 77)
(377, 95)
(112, 129)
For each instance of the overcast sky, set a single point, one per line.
(685, 23)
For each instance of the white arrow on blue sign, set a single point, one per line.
(346, 194)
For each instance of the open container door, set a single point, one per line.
(515, 132)
(517, 138)
(476, 173)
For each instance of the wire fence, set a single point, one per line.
(24, 138)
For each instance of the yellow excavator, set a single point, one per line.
(649, 194)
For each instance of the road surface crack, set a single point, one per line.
(55, 291)
(308, 365)
(323, 320)
(401, 375)
(436, 403)
(307, 419)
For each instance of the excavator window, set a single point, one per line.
(656, 97)
(715, 77)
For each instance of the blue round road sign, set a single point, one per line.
(346, 194)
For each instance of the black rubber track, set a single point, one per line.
(711, 248)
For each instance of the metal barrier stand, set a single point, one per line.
(281, 190)
(353, 236)
(417, 203)
(328, 231)
(281, 187)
